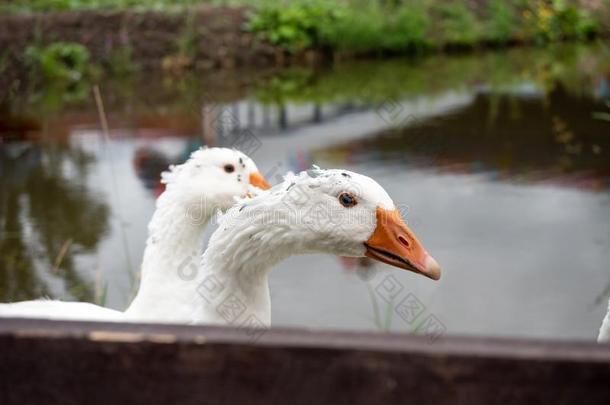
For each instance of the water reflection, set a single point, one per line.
(513, 135)
(48, 216)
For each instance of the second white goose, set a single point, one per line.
(208, 181)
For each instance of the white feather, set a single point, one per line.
(604, 330)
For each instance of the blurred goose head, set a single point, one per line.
(212, 178)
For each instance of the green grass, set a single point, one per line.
(382, 317)
(20, 6)
(346, 26)
(501, 22)
(357, 26)
(458, 26)
(373, 27)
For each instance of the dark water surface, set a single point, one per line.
(500, 160)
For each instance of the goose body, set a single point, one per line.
(604, 330)
(319, 211)
(59, 310)
(208, 181)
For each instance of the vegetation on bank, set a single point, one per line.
(409, 25)
(33, 6)
(64, 61)
(339, 27)
(386, 26)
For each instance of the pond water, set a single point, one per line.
(500, 160)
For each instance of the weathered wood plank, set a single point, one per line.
(90, 363)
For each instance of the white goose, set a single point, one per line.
(329, 211)
(195, 190)
(604, 330)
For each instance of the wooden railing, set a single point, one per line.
(51, 362)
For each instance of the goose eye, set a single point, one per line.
(229, 168)
(347, 200)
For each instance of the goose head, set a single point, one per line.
(338, 212)
(212, 178)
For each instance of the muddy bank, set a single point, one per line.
(213, 36)
(202, 38)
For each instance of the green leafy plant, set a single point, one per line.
(187, 46)
(568, 22)
(187, 43)
(64, 61)
(458, 25)
(377, 28)
(501, 21)
(354, 30)
(547, 21)
(121, 62)
(407, 28)
(294, 26)
(58, 73)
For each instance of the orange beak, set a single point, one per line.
(393, 243)
(257, 180)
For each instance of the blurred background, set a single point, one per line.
(488, 121)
